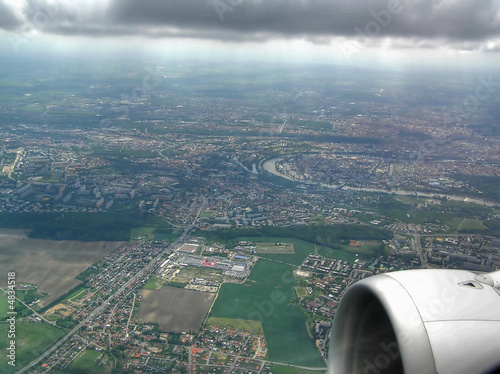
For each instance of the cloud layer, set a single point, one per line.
(470, 23)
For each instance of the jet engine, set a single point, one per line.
(418, 322)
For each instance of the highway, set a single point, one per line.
(145, 271)
(148, 269)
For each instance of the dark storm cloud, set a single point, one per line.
(449, 19)
(258, 20)
(8, 20)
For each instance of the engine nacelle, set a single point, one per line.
(418, 322)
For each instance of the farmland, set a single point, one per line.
(174, 309)
(52, 265)
(32, 339)
(266, 296)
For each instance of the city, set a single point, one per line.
(195, 188)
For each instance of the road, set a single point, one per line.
(418, 248)
(148, 269)
(34, 311)
(130, 316)
(144, 271)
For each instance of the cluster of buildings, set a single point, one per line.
(219, 350)
(104, 311)
(333, 155)
(237, 266)
(323, 281)
(229, 349)
(336, 170)
(164, 172)
(470, 252)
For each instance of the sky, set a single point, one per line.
(338, 31)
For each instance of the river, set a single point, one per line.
(270, 166)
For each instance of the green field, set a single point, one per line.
(301, 291)
(467, 225)
(282, 248)
(407, 199)
(4, 305)
(301, 248)
(266, 296)
(239, 324)
(169, 235)
(154, 283)
(32, 339)
(283, 369)
(76, 295)
(19, 308)
(141, 232)
(346, 254)
(403, 208)
(365, 248)
(494, 228)
(327, 238)
(455, 223)
(81, 295)
(88, 363)
(420, 216)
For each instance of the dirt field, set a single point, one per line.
(60, 309)
(52, 265)
(175, 309)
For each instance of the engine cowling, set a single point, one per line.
(418, 322)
